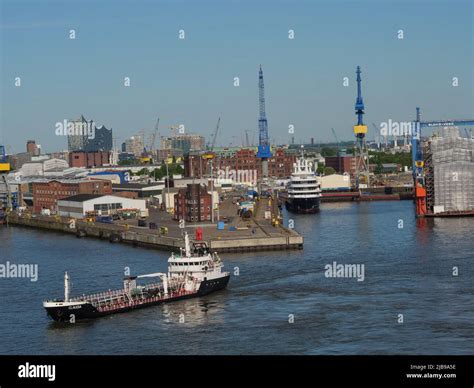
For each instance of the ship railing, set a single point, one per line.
(112, 300)
(137, 302)
(100, 298)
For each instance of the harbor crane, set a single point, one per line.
(247, 141)
(360, 131)
(263, 151)
(4, 170)
(154, 135)
(149, 152)
(209, 154)
(335, 136)
(215, 134)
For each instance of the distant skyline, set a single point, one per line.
(191, 81)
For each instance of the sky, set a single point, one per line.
(190, 81)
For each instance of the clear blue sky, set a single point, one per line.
(190, 81)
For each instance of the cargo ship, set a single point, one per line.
(193, 273)
(304, 192)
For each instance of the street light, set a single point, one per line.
(168, 186)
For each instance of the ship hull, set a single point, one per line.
(302, 205)
(88, 311)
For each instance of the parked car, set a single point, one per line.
(104, 219)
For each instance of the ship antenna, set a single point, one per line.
(186, 244)
(67, 287)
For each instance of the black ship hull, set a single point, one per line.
(88, 311)
(302, 205)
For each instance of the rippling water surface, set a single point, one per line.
(408, 271)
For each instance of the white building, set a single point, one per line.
(335, 182)
(78, 205)
(43, 167)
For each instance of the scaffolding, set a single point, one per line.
(449, 172)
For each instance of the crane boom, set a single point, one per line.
(153, 137)
(335, 136)
(215, 134)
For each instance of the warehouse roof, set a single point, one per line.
(135, 185)
(82, 197)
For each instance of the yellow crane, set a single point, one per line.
(4, 170)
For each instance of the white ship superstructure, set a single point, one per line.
(304, 192)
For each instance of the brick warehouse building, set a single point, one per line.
(342, 164)
(47, 194)
(280, 165)
(89, 159)
(192, 204)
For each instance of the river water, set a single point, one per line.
(280, 303)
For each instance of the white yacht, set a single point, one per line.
(304, 192)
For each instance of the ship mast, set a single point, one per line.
(187, 246)
(67, 287)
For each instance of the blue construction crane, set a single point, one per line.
(359, 105)
(4, 165)
(360, 131)
(4, 170)
(263, 141)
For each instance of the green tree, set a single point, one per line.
(127, 162)
(329, 171)
(320, 169)
(327, 151)
(144, 171)
(378, 168)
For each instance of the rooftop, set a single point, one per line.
(82, 197)
(135, 185)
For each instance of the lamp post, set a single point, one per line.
(168, 185)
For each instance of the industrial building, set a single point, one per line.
(89, 159)
(133, 145)
(80, 205)
(46, 194)
(32, 148)
(280, 164)
(43, 167)
(141, 190)
(115, 176)
(341, 164)
(335, 182)
(193, 204)
(183, 142)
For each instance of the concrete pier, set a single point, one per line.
(277, 238)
